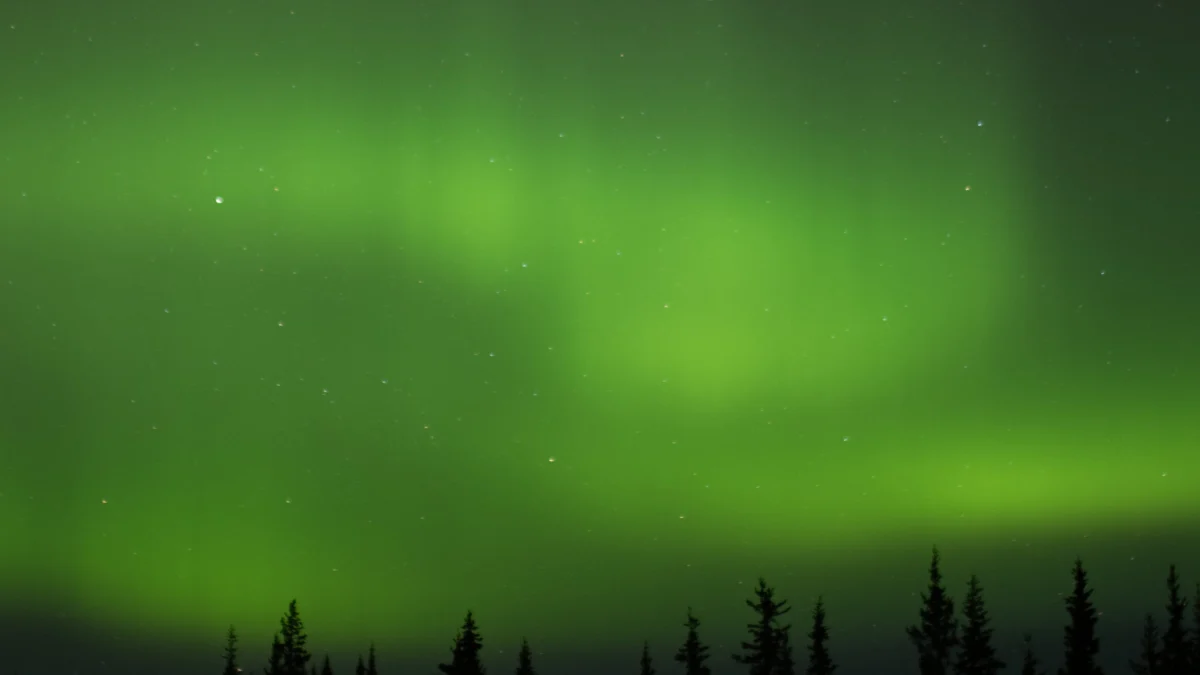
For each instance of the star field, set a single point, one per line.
(607, 309)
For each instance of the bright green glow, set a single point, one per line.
(690, 270)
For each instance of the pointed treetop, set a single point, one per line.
(976, 655)
(1079, 635)
(525, 659)
(1149, 658)
(647, 665)
(820, 661)
(465, 651)
(1176, 655)
(693, 653)
(767, 650)
(1029, 662)
(937, 634)
(231, 666)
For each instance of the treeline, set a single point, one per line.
(946, 643)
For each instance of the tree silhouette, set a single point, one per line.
(1079, 635)
(819, 660)
(647, 664)
(1175, 658)
(275, 660)
(787, 661)
(525, 659)
(288, 653)
(1196, 632)
(937, 636)
(467, 645)
(693, 653)
(1029, 662)
(765, 652)
(976, 656)
(944, 644)
(231, 667)
(1149, 658)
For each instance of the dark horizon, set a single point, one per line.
(1119, 646)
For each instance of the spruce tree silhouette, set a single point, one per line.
(693, 653)
(820, 662)
(525, 659)
(937, 636)
(275, 661)
(288, 653)
(326, 668)
(787, 660)
(1149, 657)
(764, 653)
(976, 656)
(1196, 632)
(371, 670)
(295, 653)
(231, 667)
(1029, 662)
(647, 664)
(1079, 635)
(467, 645)
(360, 669)
(1176, 646)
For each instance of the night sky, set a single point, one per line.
(577, 313)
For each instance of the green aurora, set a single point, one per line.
(533, 307)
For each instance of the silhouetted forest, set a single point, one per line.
(945, 642)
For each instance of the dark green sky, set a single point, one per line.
(579, 313)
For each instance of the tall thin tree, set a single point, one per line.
(937, 635)
(326, 667)
(1149, 661)
(764, 653)
(371, 669)
(231, 666)
(361, 668)
(295, 652)
(976, 655)
(525, 659)
(693, 653)
(1196, 631)
(787, 659)
(647, 666)
(1029, 661)
(1176, 645)
(275, 660)
(467, 645)
(1079, 636)
(289, 653)
(820, 661)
